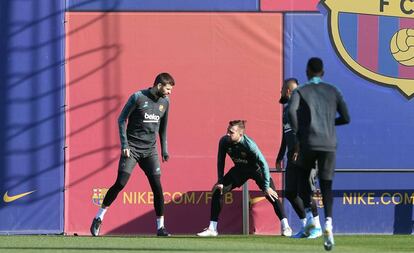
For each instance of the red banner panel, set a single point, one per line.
(226, 66)
(289, 5)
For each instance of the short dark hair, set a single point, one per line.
(315, 65)
(240, 123)
(164, 79)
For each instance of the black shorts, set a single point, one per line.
(326, 162)
(148, 162)
(237, 176)
(293, 177)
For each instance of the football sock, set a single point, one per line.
(303, 222)
(328, 223)
(160, 222)
(213, 225)
(309, 214)
(284, 222)
(101, 213)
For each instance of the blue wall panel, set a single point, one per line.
(379, 136)
(32, 116)
(163, 5)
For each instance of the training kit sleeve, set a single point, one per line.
(342, 110)
(126, 111)
(260, 160)
(163, 131)
(282, 149)
(292, 111)
(221, 159)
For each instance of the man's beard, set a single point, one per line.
(283, 100)
(160, 94)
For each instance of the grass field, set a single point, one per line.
(256, 244)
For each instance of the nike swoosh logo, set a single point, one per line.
(256, 200)
(8, 198)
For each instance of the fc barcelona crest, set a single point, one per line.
(375, 39)
(98, 195)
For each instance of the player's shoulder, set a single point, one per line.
(333, 89)
(309, 87)
(249, 141)
(138, 94)
(165, 100)
(224, 139)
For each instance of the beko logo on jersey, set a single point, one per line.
(151, 117)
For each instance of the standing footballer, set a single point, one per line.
(293, 170)
(249, 163)
(147, 113)
(314, 110)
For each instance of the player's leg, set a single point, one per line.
(317, 231)
(125, 167)
(326, 163)
(307, 160)
(291, 190)
(151, 166)
(292, 178)
(234, 178)
(258, 177)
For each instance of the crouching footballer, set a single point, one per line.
(249, 163)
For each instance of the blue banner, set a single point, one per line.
(32, 116)
(379, 136)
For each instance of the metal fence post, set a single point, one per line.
(245, 201)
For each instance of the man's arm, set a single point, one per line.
(342, 110)
(221, 160)
(292, 112)
(126, 111)
(163, 135)
(282, 148)
(262, 163)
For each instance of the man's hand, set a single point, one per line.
(272, 194)
(165, 157)
(218, 187)
(278, 165)
(126, 152)
(296, 150)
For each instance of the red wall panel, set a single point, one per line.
(226, 66)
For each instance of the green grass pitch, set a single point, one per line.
(223, 243)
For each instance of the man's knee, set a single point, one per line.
(121, 181)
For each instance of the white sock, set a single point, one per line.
(317, 222)
(285, 223)
(303, 221)
(309, 214)
(328, 223)
(101, 213)
(213, 225)
(160, 222)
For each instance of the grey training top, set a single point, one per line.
(146, 116)
(313, 110)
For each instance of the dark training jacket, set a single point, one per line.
(146, 116)
(313, 110)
